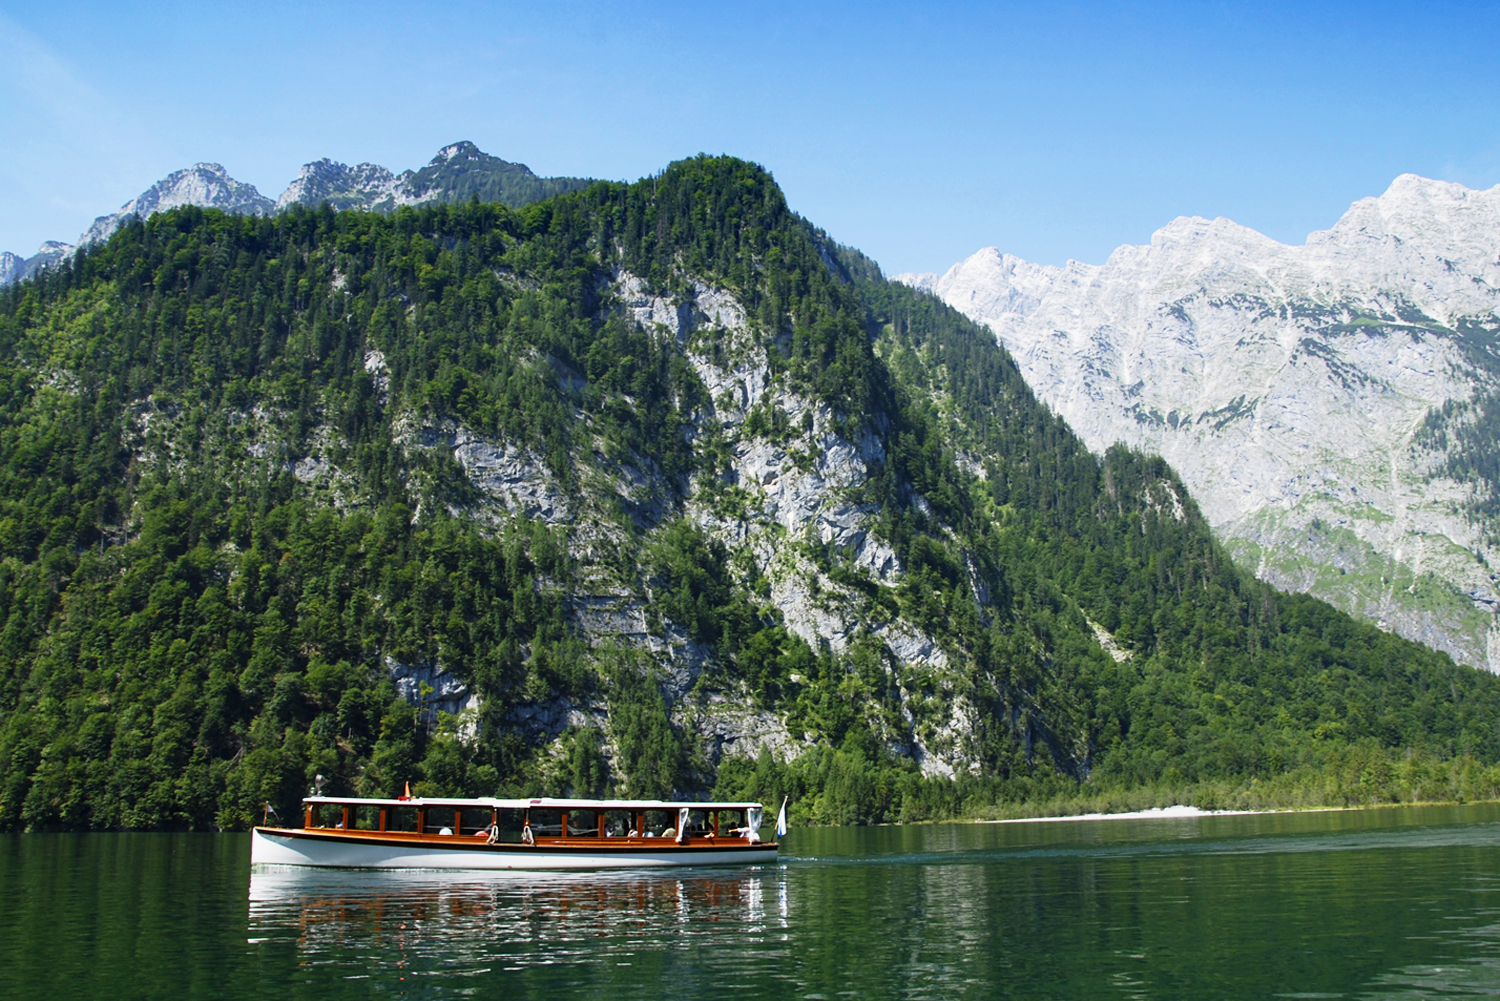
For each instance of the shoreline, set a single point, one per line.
(1158, 813)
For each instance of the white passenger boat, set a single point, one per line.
(515, 834)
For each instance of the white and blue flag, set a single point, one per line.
(781, 821)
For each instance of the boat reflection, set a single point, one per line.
(484, 919)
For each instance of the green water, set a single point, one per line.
(1378, 904)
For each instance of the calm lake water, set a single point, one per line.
(1377, 904)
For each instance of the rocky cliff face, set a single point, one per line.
(770, 505)
(1312, 397)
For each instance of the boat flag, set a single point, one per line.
(781, 819)
(407, 794)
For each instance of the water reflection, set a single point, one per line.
(414, 923)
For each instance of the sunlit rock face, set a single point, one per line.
(1314, 397)
(206, 185)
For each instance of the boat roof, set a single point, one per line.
(542, 803)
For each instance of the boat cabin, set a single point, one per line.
(538, 821)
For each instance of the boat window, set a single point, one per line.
(440, 819)
(583, 823)
(510, 825)
(365, 818)
(618, 823)
(660, 821)
(402, 818)
(475, 819)
(328, 815)
(546, 823)
(698, 825)
(732, 824)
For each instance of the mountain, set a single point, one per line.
(1331, 406)
(648, 488)
(456, 174)
(462, 171)
(14, 268)
(366, 186)
(206, 185)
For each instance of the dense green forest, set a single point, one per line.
(222, 522)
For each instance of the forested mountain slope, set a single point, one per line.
(645, 488)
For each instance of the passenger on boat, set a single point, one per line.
(633, 833)
(670, 832)
(527, 838)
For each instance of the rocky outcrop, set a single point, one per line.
(727, 727)
(513, 476)
(430, 688)
(1291, 387)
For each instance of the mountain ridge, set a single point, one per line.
(457, 172)
(1300, 389)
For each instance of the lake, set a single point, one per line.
(1400, 903)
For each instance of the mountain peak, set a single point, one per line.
(207, 185)
(464, 150)
(1444, 216)
(467, 156)
(365, 186)
(1408, 186)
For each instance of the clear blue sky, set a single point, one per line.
(918, 132)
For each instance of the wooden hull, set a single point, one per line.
(275, 846)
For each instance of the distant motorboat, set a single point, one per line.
(422, 833)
